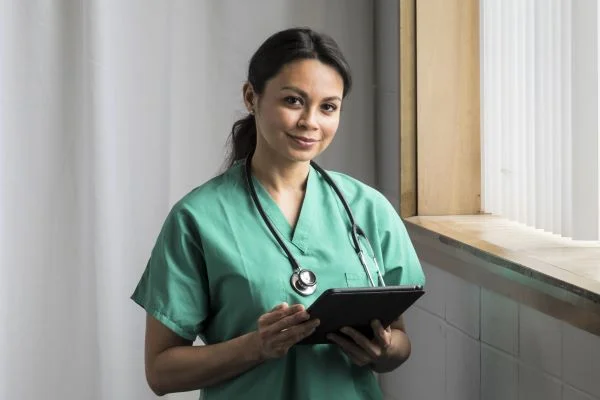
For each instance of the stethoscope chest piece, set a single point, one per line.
(304, 282)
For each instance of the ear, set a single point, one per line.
(250, 97)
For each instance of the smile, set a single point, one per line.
(302, 139)
(301, 142)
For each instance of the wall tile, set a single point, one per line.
(462, 305)
(499, 321)
(581, 355)
(537, 385)
(434, 299)
(540, 340)
(462, 366)
(422, 376)
(499, 373)
(570, 393)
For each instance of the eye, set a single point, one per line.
(329, 107)
(293, 101)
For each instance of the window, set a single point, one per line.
(539, 113)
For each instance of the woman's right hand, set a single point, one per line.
(281, 328)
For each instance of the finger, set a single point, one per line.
(280, 306)
(287, 322)
(357, 361)
(293, 335)
(368, 346)
(382, 335)
(279, 313)
(356, 354)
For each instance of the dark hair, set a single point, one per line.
(277, 51)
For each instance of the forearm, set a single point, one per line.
(398, 353)
(184, 368)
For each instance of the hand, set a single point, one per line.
(281, 328)
(361, 350)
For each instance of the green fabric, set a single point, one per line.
(216, 268)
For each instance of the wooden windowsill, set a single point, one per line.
(556, 275)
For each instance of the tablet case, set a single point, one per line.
(357, 307)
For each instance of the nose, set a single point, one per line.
(308, 120)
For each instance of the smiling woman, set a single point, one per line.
(220, 268)
(298, 112)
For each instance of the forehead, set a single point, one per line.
(312, 76)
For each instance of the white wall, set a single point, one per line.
(387, 95)
(470, 343)
(237, 28)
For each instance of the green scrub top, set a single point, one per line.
(216, 268)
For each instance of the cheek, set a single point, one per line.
(283, 119)
(329, 127)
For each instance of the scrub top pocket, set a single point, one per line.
(360, 279)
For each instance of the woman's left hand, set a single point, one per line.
(361, 350)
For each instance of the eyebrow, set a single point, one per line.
(304, 94)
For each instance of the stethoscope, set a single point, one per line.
(304, 281)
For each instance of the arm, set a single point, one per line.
(174, 365)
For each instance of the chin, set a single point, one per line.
(300, 156)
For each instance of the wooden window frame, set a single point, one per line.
(440, 145)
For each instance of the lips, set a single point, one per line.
(303, 139)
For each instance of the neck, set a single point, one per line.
(278, 174)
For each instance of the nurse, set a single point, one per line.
(222, 265)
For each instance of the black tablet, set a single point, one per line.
(357, 307)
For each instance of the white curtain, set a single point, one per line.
(110, 111)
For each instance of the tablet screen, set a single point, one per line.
(357, 307)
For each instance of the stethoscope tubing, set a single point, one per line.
(355, 230)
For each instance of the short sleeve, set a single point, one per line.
(400, 261)
(174, 288)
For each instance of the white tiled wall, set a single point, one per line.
(570, 393)
(535, 384)
(462, 366)
(581, 359)
(410, 384)
(499, 375)
(499, 322)
(540, 340)
(471, 343)
(462, 305)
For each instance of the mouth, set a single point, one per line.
(302, 139)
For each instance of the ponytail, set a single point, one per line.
(242, 140)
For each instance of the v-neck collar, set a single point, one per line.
(297, 236)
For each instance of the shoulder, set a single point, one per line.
(210, 198)
(222, 188)
(358, 192)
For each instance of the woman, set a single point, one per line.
(220, 268)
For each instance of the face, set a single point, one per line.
(298, 112)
